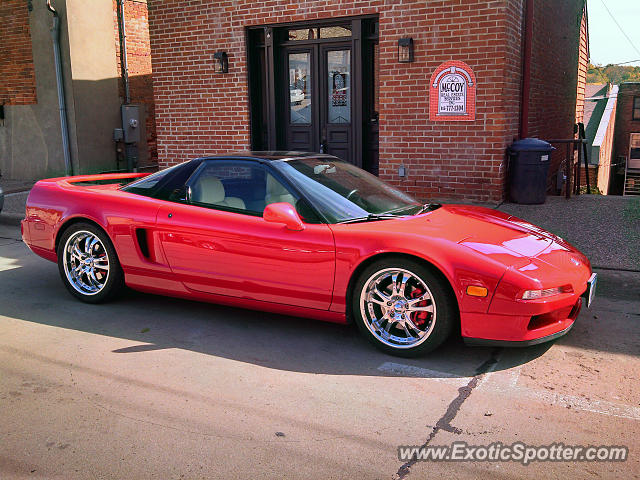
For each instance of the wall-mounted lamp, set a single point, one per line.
(405, 50)
(222, 62)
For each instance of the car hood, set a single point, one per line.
(479, 228)
(491, 231)
(487, 231)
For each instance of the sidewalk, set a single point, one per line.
(14, 186)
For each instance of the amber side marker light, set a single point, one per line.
(476, 291)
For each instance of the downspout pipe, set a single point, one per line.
(526, 69)
(124, 64)
(62, 104)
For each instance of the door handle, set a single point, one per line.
(170, 215)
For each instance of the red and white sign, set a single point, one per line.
(452, 93)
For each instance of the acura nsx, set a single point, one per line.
(313, 236)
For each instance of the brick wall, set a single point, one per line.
(139, 63)
(199, 112)
(554, 73)
(17, 74)
(513, 75)
(447, 159)
(624, 118)
(583, 61)
(594, 175)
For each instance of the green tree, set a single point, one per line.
(615, 74)
(595, 75)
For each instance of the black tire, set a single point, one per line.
(111, 281)
(444, 314)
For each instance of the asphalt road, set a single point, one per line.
(153, 387)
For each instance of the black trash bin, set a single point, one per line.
(528, 168)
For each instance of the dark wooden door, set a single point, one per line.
(318, 99)
(300, 97)
(336, 101)
(313, 87)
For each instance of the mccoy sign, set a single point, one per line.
(452, 93)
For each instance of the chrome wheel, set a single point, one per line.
(86, 262)
(398, 308)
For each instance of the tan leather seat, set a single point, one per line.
(277, 193)
(210, 190)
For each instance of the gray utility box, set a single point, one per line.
(131, 119)
(529, 160)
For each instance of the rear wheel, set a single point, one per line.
(402, 307)
(88, 264)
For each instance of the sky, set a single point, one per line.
(607, 44)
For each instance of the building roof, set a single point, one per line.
(607, 116)
(594, 105)
(594, 89)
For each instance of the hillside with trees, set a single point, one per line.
(615, 74)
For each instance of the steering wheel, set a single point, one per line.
(352, 193)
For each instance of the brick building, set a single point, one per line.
(16, 58)
(32, 138)
(331, 76)
(136, 23)
(627, 139)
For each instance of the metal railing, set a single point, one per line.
(573, 144)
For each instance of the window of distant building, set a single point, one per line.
(636, 108)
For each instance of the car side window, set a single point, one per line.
(238, 186)
(242, 187)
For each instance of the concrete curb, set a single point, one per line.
(11, 218)
(16, 190)
(9, 186)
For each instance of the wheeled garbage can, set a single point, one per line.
(528, 169)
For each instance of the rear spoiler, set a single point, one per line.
(98, 179)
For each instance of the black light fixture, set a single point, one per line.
(222, 62)
(405, 50)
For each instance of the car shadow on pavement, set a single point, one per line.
(274, 341)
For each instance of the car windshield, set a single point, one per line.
(344, 192)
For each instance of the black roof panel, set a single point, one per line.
(268, 155)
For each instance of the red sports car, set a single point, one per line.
(312, 236)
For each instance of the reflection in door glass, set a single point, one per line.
(332, 32)
(302, 34)
(300, 87)
(339, 81)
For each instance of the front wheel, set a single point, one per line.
(402, 307)
(88, 264)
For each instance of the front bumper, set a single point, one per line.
(528, 326)
(484, 342)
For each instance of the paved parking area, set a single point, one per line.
(153, 387)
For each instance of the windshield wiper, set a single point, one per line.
(372, 217)
(428, 206)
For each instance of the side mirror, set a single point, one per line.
(282, 212)
(181, 194)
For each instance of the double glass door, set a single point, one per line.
(318, 94)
